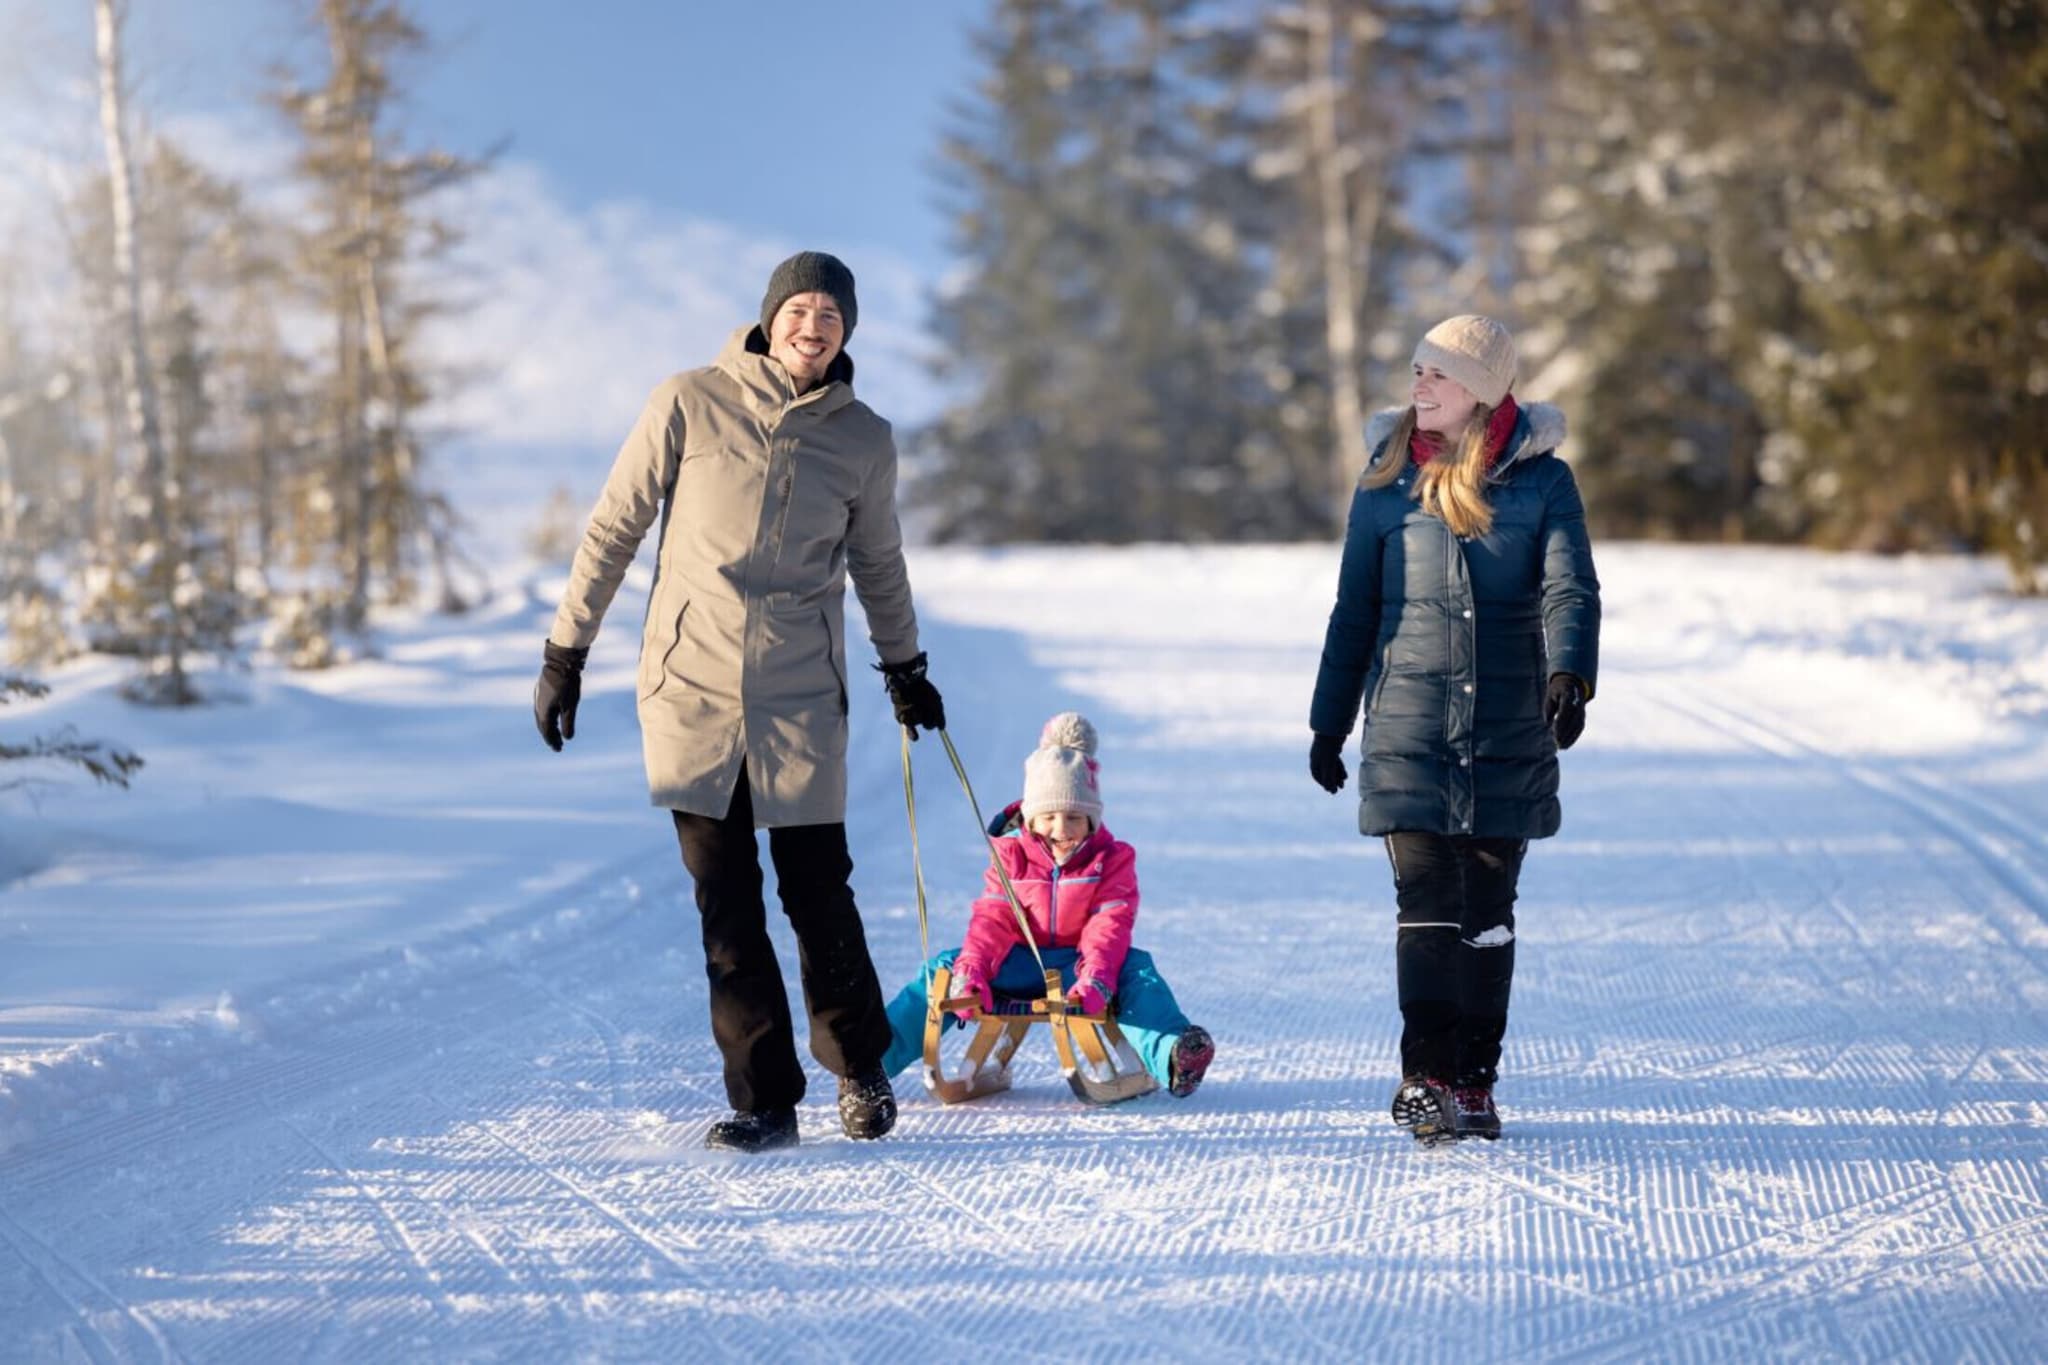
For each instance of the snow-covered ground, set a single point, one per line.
(366, 1028)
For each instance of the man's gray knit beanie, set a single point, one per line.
(801, 274)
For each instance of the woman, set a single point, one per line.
(1468, 623)
(772, 485)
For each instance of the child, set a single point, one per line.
(1079, 887)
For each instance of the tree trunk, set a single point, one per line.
(10, 529)
(357, 213)
(144, 423)
(1340, 246)
(404, 456)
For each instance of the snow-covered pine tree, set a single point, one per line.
(1648, 245)
(38, 440)
(1788, 255)
(1921, 248)
(374, 230)
(1102, 390)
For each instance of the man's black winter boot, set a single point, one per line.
(1423, 1105)
(867, 1104)
(753, 1130)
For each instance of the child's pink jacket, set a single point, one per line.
(1091, 904)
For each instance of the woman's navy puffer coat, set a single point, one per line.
(1450, 643)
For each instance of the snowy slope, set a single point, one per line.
(365, 1028)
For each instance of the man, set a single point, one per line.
(772, 483)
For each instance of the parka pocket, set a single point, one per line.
(1376, 681)
(832, 658)
(675, 639)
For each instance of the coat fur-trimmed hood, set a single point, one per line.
(1542, 426)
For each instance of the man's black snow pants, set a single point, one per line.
(1455, 953)
(749, 1007)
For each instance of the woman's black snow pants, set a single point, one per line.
(749, 1007)
(1455, 953)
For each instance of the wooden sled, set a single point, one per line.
(1099, 1063)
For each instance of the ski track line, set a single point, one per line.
(940, 1190)
(216, 1104)
(1271, 1287)
(395, 1237)
(1851, 1288)
(40, 1256)
(1830, 896)
(206, 1105)
(302, 1036)
(90, 1339)
(299, 1066)
(1819, 1252)
(1955, 793)
(1771, 832)
(635, 1234)
(607, 1032)
(477, 1003)
(2012, 870)
(539, 1272)
(1974, 1241)
(1490, 1166)
(520, 1281)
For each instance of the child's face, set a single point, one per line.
(1063, 829)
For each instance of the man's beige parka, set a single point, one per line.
(767, 500)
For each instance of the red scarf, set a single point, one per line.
(1424, 446)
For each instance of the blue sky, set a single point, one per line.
(659, 158)
(779, 118)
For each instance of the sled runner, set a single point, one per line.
(1098, 1062)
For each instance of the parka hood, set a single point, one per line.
(1010, 820)
(750, 340)
(1539, 430)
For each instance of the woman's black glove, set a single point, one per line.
(1564, 708)
(1326, 763)
(916, 700)
(556, 694)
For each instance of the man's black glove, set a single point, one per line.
(1564, 708)
(1326, 763)
(556, 694)
(916, 700)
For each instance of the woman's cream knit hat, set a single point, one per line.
(1477, 352)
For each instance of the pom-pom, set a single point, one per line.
(1068, 730)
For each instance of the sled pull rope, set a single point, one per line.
(917, 863)
(1009, 891)
(924, 942)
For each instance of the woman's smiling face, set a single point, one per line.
(1442, 404)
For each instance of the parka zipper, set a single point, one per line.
(1053, 933)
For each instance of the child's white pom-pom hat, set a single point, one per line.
(1061, 773)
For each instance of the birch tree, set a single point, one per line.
(1348, 207)
(156, 560)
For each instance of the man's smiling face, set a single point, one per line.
(806, 336)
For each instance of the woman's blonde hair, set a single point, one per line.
(1453, 484)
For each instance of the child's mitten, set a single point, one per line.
(1087, 995)
(968, 980)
